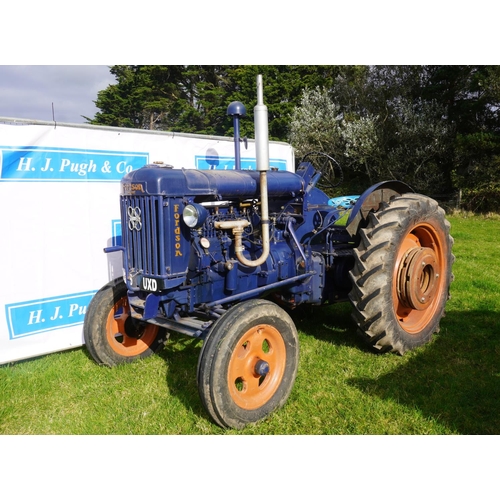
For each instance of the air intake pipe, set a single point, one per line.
(262, 155)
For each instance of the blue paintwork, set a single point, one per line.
(224, 184)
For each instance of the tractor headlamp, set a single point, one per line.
(194, 215)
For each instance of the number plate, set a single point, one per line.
(149, 284)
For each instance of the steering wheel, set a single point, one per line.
(331, 172)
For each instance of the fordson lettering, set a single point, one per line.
(130, 189)
(177, 231)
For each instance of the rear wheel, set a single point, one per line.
(111, 335)
(248, 363)
(402, 273)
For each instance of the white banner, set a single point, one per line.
(59, 187)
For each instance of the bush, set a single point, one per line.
(481, 199)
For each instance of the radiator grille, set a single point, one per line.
(143, 233)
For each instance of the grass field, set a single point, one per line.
(450, 386)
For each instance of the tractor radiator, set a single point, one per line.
(142, 223)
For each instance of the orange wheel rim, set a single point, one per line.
(261, 348)
(419, 277)
(116, 331)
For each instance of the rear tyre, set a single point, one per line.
(248, 363)
(111, 335)
(402, 273)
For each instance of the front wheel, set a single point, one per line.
(402, 273)
(111, 335)
(248, 363)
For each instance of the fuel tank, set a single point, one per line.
(222, 184)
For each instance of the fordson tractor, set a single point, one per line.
(222, 255)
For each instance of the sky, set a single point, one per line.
(30, 91)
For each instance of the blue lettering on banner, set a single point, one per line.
(39, 316)
(32, 163)
(228, 162)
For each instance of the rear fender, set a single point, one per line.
(371, 199)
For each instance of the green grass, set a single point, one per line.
(450, 386)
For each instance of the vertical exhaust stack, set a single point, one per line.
(262, 152)
(261, 129)
(262, 156)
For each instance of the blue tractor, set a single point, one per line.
(221, 256)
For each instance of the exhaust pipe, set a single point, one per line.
(262, 155)
(261, 129)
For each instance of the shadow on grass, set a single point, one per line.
(181, 357)
(454, 380)
(331, 323)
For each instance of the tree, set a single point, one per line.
(471, 97)
(283, 87)
(144, 97)
(195, 98)
(318, 124)
(375, 127)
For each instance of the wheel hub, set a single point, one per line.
(261, 368)
(418, 278)
(133, 328)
